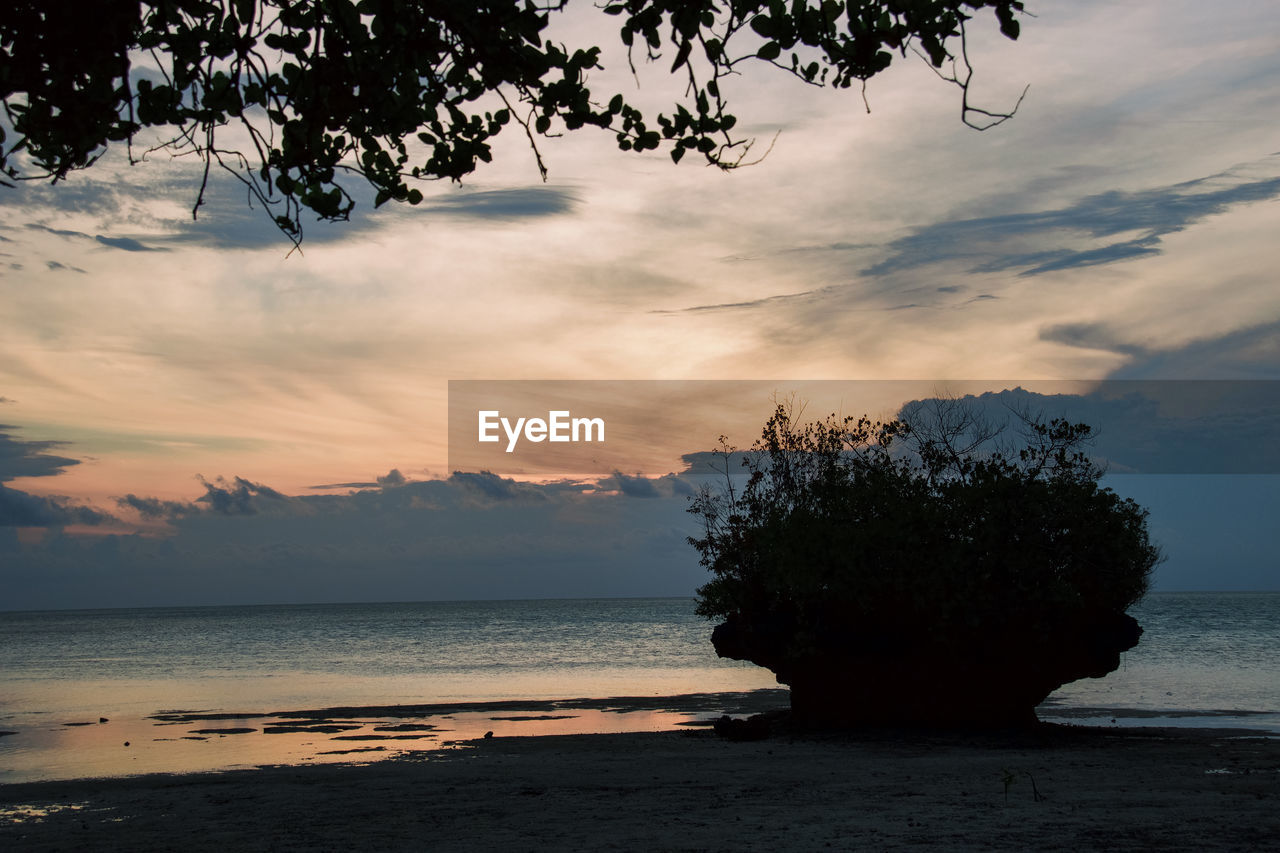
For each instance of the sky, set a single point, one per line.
(194, 415)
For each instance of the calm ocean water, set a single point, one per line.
(1205, 659)
(308, 656)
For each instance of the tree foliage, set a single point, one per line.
(902, 543)
(290, 95)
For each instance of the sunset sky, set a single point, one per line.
(1122, 226)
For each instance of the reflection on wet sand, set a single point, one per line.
(194, 740)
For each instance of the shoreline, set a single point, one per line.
(211, 740)
(1055, 787)
(743, 701)
(205, 740)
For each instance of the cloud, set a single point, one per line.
(1130, 225)
(20, 458)
(420, 540)
(391, 478)
(1106, 255)
(154, 508)
(1249, 353)
(1154, 426)
(19, 509)
(58, 265)
(227, 218)
(635, 487)
(1252, 352)
(83, 194)
(713, 463)
(468, 537)
(238, 496)
(463, 493)
(1096, 336)
(767, 301)
(127, 243)
(519, 203)
(485, 536)
(989, 243)
(491, 487)
(645, 487)
(57, 232)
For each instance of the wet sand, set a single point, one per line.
(195, 741)
(1058, 788)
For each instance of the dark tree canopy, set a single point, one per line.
(290, 95)
(937, 585)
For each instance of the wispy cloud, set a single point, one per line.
(750, 303)
(390, 479)
(519, 203)
(1097, 336)
(58, 265)
(127, 243)
(22, 458)
(58, 232)
(992, 243)
(138, 209)
(1252, 352)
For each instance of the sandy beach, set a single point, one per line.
(1058, 788)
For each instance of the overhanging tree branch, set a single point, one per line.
(396, 91)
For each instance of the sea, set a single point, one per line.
(102, 693)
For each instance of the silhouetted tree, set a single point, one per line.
(290, 95)
(898, 573)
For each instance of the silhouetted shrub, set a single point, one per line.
(898, 573)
